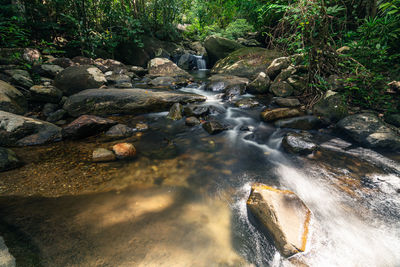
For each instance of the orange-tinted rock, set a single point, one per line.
(124, 150)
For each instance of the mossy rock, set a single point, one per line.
(246, 62)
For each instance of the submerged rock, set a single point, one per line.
(370, 131)
(24, 131)
(6, 259)
(119, 131)
(8, 161)
(214, 127)
(103, 155)
(196, 110)
(332, 107)
(175, 113)
(78, 78)
(124, 150)
(279, 113)
(126, 101)
(11, 100)
(298, 144)
(284, 216)
(87, 125)
(301, 123)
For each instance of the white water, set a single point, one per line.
(201, 63)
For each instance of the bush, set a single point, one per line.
(238, 28)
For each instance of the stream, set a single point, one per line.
(182, 202)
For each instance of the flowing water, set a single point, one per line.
(182, 202)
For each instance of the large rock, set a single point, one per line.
(284, 215)
(8, 161)
(277, 65)
(6, 259)
(47, 70)
(246, 62)
(87, 125)
(175, 113)
(371, 131)
(332, 107)
(213, 127)
(47, 94)
(298, 143)
(221, 82)
(269, 115)
(165, 67)
(282, 89)
(259, 85)
(119, 131)
(78, 78)
(20, 77)
(196, 110)
(219, 47)
(24, 131)
(126, 101)
(301, 123)
(11, 100)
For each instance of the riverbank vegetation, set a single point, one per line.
(368, 32)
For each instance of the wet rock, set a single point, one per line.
(163, 81)
(63, 62)
(279, 113)
(79, 60)
(288, 102)
(187, 62)
(103, 155)
(126, 101)
(246, 62)
(6, 259)
(24, 131)
(47, 70)
(234, 90)
(196, 110)
(282, 89)
(119, 131)
(87, 125)
(260, 85)
(192, 121)
(11, 100)
(220, 83)
(332, 107)
(219, 47)
(370, 131)
(284, 215)
(175, 113)
(57, 115)
(78, 78)
(214, 127)
(47, 94)
(301, 123)
(298, 144)
(124, 150)
(277, 65)
(20, 77)
(165, 67)
(247, 103)
(393, 119)
(8, 161)
(117, 79)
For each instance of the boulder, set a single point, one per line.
(56, 115)
(247, 103)
(63, 62)
(11, 100)
(6, 259)
(283, 215)
(298, 144)
(219, 47)
(198, 48)
(187, 62)
(288, 102)
(20, 77)
(269, 115)
(298, 83)
(282, 89)
(126, 101)
(8, 161)
(175, 113)
(370, 131)
(232, 91)
(103, 155)
(259, 85)
(47, 70)
(139, 71)
(124, 150)
(196, 110)
(87, 125)
(80, 60)
(107, 64)
(393, 119)
(118, 79)
(119, 131)
(301, 123)
(332, 107)
(285, 74)
(214, 127)
(47, 94)
(24, 131)
(220, 82)
(78, 78)
(192, 121)
(277, 65)
(246, 62)
(165, 67)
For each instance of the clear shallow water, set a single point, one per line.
(182, 202)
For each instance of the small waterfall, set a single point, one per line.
(200, 62)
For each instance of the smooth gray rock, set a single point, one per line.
(370, 131)
(126, 101)
(24, 131)
(298, 144)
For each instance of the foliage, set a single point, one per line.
(237, 28)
